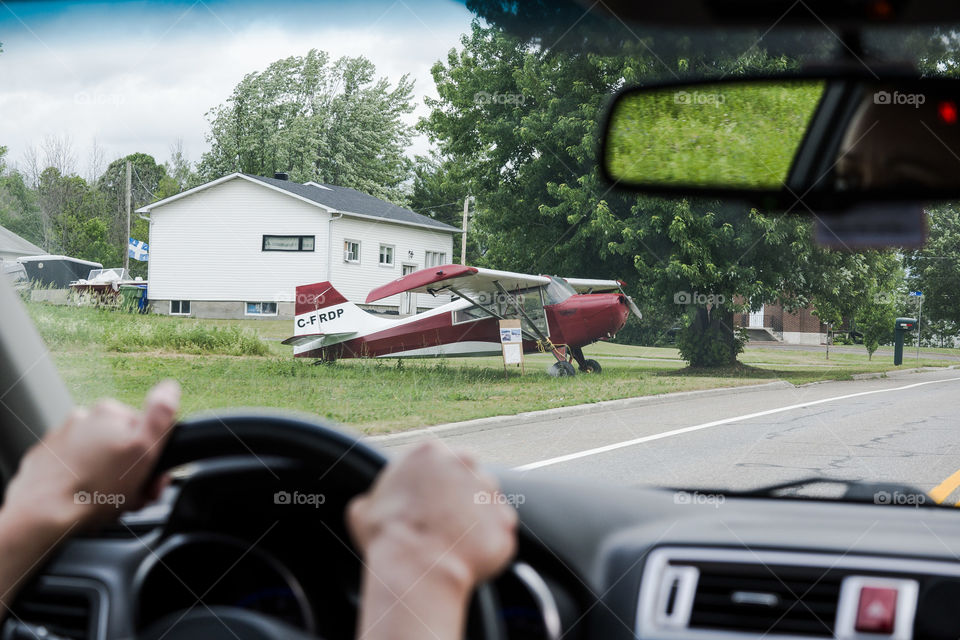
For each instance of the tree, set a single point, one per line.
(179, 170)
(148, 181)
(18, 204)
(331, 122)
(523, 121)
(935, 269)
(439, 190)
(875, 322)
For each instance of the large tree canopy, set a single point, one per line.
(523, 122)
(935, 271)
(332, 122)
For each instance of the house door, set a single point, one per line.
(407, 304)
(756, 319)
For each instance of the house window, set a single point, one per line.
(261, 309)
(386, 255)
(351, 251)
(435, 258)
(179, 307)
(288, 243)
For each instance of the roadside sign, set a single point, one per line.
(916, 294)
(511, 340)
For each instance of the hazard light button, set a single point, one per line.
(877, 610)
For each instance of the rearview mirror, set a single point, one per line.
(799, 143)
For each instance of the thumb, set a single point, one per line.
(162, 405)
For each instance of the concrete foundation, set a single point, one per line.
(802, 337)
(233, 310)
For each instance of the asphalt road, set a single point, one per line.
(904, 428)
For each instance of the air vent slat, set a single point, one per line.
(67, 612)
(765, 599)
(724, 602)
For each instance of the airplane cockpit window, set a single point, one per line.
(558, 290)
(509, 306)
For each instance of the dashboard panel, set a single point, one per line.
(206, 569)
(633, 562)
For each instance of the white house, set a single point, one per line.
(240, 245)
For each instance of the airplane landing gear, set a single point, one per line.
(591, 366)
(586, 365)
(561, 369)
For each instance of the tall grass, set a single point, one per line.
(69, 326)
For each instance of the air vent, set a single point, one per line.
(765, 599)
(64, 607)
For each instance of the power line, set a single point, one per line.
(141, 181)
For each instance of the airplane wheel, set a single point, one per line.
(561, 369)
(591, 366)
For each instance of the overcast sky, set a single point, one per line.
(138, 76)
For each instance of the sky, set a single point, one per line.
(138, 76)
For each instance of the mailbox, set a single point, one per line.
(900, 328)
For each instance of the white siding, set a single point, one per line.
(356, 280)
(208, 246)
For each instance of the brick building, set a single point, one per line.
(772, 323)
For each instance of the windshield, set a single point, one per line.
(559, 290)
(304, 183)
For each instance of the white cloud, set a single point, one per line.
(136, 81)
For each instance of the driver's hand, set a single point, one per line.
(96, 465)
(439, 510)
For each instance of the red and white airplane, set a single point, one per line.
(557, 315)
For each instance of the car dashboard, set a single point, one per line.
(593, 562)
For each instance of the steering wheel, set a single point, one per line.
(297, 439)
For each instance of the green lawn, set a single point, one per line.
(733, 135)
(372, 395)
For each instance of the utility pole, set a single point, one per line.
(126, 241)
(919, 320)
(466, 222)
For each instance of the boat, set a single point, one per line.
(111, 287)
(54, 271)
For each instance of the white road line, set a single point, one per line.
(716, 423)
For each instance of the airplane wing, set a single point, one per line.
(317, 340)
(471, 281)
(585, 285)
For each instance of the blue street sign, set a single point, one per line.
(916, 293)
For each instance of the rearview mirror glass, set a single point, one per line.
(828, 142)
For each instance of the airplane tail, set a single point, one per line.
(312, 297)
(323, 316)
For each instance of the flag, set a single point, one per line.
(138, 250)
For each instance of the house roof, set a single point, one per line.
(12, 244)
(330, 197)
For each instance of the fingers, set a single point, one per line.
(162, 405)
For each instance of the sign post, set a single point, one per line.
(511, 340)
(918, 295)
